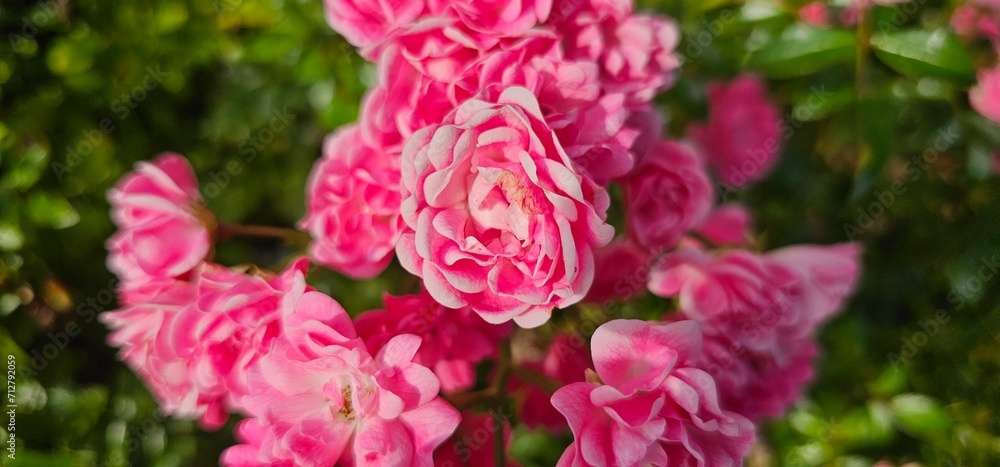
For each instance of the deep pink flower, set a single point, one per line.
(759, 313)
(139, 329)
(163, 227)
(728, 224)
(566, 361)
(816, 13)
(979, 19)
(758, 385)
(742, 137)
(502, 17)
(352, 204)
(454, 341)
(235, 319)
(636, 53)
(364, 23)
(473, 442)
(985, 96)
(621, 272)
(654, 406)
(193, 341)
(498, 217)
(667, 195)
(592, 126)
(321, 399)
(741, 293)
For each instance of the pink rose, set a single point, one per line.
(729, 224)
(593, 127)
(566, 361)
(741, 293)
(235, 319)
(454, 341)
(473, 442)
(364, 23)
(815, 14)
(621, 272)
(743, 135)
(353, 206)
(653, 405)
(759, 313)
(163, 228)
(502, 17)
(636, 53)
(139, 329)
(667, 195)
(985, 96)
(498, 217)
(321, 399)
(193, 341)
(978, 19)
(756, 385)
(404, 101)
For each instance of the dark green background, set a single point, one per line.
(892, 110)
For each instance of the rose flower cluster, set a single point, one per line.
(510, 156)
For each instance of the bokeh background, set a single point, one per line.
(881, 147)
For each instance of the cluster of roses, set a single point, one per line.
(482, 160)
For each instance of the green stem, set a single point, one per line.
(544, 383)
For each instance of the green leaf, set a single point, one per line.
(919, 54)
(51, 211)
(920, 414)
(802, 50)
(26, 172)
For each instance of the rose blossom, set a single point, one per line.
(743, 135)
(454, 341)
(759, 313)
(620, 273)
(502, 17)
(653, 405)
(978, 18)
(668, 194)
(235, 318)
(592, 126)
(321, 399)
(163, 228)
(758, 385)
(138, 330)
(815, 14)
(353, 206)
(728, 224)
(498, 217)
(636, 53)
(985, 96)
(364, 23)
(192, 341)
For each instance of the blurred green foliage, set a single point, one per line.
(881, 147)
